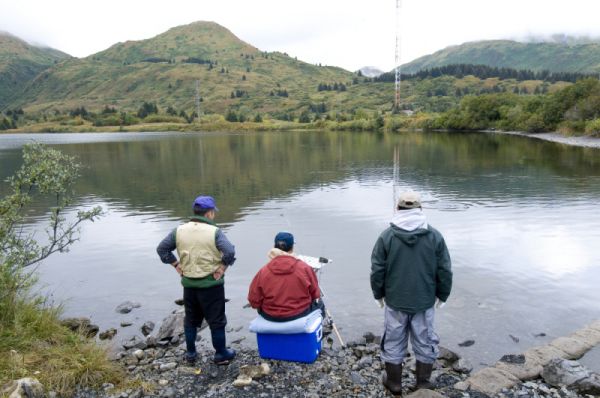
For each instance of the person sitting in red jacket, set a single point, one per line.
(286, 288)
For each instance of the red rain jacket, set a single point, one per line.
(285, 287)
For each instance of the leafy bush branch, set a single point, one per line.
(45, 173)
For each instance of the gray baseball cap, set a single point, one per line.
(409, 200)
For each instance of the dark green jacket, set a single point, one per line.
(410, 269)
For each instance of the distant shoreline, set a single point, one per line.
(580, 141)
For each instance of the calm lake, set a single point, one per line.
(520, 217)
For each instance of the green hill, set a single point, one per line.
(164, 70)
(234, 75)
(20, 63)
(555, 57)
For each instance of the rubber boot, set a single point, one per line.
(223, 355)
(392, 380)
(423, 373)
(190, 343)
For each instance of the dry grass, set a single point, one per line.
(33, 343)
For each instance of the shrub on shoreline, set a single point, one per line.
(33, 343)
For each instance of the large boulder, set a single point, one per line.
(425, 394)
(134, 342)
(491, 381)
(545, 354)
(171, 326)
(523, 366)
(147, 328)
(127, 306)
(23, 388)
(462, 366)
(448, 355)
(575, 348)
(108, 334)
(589, 335)
(81, 325)
(572, 374)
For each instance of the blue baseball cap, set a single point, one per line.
(284, 241)
(205, 203)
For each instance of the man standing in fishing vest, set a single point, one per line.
(204, 255)
(410, 269)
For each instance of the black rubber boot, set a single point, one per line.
(392, 380)
(190, 341)
(223, 355)
(423, 373)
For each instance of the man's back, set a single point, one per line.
(284, 287)
(411, 268)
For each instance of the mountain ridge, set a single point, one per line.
(164, 69)
(20, 62)
(554, 57)
(233, 75)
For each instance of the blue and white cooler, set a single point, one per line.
(298, 340)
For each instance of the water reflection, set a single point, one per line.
(519, 217)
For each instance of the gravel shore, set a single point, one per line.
(353, 371)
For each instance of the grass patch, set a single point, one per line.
(33, 343)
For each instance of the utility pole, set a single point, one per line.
(398, 76)
(198, 99)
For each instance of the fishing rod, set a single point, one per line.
(316, 263)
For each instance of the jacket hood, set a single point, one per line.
(281, 262)
(410, 238)
(409, 220)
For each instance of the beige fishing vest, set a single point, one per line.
(198, 254)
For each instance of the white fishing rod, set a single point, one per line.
(316, 263)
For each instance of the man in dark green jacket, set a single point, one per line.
(410, 269)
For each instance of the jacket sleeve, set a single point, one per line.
(313, 287)
(255, 294)
(225, 247)
(378, 262)
(444, 271)
(165, 248)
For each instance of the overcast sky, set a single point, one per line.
(346, 33)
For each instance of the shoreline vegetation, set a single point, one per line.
(571, 111)
(33, 342)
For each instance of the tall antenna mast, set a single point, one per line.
(398, 57)
(198, 98)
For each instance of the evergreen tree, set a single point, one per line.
(231, 116)
(108, 110)
(304, 117)
(171, 111)
(146, 109)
